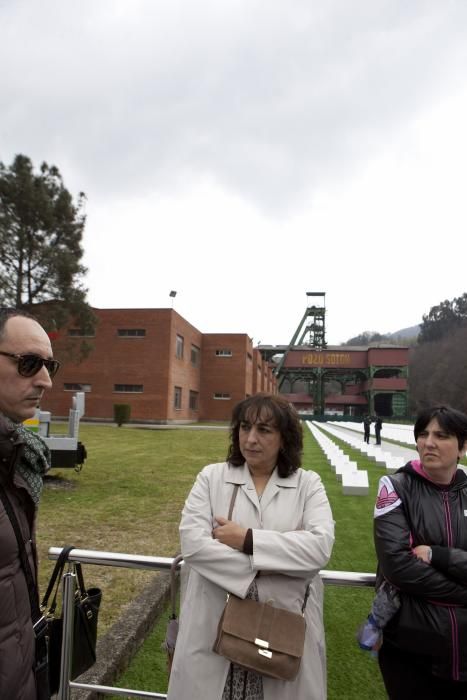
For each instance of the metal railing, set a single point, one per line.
(135, 561)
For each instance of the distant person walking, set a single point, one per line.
(378, 426)
(366, 428)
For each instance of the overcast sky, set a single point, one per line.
(244, 152)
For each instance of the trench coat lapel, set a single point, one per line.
(242, 476)
(274, 485)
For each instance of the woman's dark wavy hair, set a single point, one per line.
(285, 419)
(452, 421)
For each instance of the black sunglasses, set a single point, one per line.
(29, 365)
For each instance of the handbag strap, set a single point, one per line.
(79, 575)
(36, 614)
(232, 501)
(173, 584)
(305, 599)
(55, 579)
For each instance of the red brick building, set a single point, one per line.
(160, 365)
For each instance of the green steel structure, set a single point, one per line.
(311, 332)
(339, 379)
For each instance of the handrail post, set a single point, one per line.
(68, 614)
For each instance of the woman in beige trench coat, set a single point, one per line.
(281, 526)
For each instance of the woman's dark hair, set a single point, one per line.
(453, 422)
(282, 416)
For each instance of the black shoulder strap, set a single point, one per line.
(32, 588)
(55, 579)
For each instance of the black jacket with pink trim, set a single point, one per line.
(412, 510)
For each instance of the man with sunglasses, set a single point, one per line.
(26, 371)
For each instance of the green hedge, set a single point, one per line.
(122, 412)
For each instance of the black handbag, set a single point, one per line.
(87, 602)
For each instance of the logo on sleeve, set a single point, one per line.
(387, 498)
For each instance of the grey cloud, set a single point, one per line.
(268, 98)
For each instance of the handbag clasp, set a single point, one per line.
(265, 652)
(261, 643)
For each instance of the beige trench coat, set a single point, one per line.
(293, 534)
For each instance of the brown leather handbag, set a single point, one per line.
(261, 637)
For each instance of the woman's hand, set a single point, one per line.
(423, 552)
(229, 533)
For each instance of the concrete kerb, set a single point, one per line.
(118, 646)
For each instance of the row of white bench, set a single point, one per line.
(400, 432)
(382, 457)
(354, 480)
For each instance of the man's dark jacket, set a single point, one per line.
(17, 680)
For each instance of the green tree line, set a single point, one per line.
(41, 229)
(438, 355)
(438, 362)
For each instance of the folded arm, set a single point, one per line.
(223, 565)
(409, 570)
(299, 552)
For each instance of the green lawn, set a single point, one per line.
(128, 498)
(352, 674)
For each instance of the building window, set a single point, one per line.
(80, 333)
(131, 332)
(76, 387)
(221, 396)
(128, 388)
(178, 398)
(250, 357)
(224, 352)
(194, 356)
(194, 400)
(179, 343)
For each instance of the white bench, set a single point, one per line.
(355, 483)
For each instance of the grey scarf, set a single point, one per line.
(35, 458)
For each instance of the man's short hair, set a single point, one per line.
(7, 313)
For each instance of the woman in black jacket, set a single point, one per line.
(421, 544)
